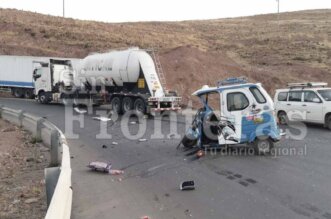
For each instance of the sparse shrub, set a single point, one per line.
(35, 140)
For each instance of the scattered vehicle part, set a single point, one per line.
(142, 139)
(200, 154)
(104, 146)
(114, 143)
(100, 166)
(116, 172)
(187, 185)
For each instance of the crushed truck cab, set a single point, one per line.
(234, 112)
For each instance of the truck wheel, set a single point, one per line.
(263, 146)
(116, 105)
(127, 104)
(42, 98)
(18, 93)
(29, 94)
(188, 143)
(282, 118)
(139, 105)
(328, 122)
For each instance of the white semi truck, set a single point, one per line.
(127, 79)
(16, 73)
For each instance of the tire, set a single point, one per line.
(283, 118)
(42, 97)
(18, 93)
(188, 143)
(127, 104)
(328, 122)
(29, 94)
(263, 146)
(139, 105)
(116, 105)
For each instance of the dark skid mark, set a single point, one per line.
(238, 175)
(228, 172)
(300, 211)
(327, 215)
(223, 173)
(251, 180)
(230, 177)
(311, 207)
(243, 183)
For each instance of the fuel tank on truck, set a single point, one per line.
(116, 68)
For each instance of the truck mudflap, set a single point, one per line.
(160, 104)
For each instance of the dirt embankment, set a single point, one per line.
(272, 49)
(22, 163)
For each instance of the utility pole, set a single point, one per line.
(63, 8)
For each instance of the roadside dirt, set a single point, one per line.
(5, 94)
(22, 163)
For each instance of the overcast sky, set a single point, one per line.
(160, 10)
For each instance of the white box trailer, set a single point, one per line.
(16, 73)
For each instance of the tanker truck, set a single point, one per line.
(128, 80)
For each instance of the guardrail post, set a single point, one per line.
(39, 125)
(51, 178)
(55, 144)
(20, 117)
(1, 106)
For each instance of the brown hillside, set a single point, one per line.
(296, 47)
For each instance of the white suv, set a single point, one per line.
(307, 102)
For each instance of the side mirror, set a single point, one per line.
(35, 76)
(316, 100)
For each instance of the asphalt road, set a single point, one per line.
(227, 185)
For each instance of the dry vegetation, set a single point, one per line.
(295, 47)
(22, 163)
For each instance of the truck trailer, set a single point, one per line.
(126, 79)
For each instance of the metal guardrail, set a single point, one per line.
(58, 175)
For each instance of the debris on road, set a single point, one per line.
(100, 166)
(187, 185)
(114, 143)
(145, 217)
(104, 167)
(116, 172)
(102, 119)
(80, 111)
(200, 154)
(142, 139)
(104, 146)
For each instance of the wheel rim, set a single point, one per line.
(127, 105)
(140, 106)
(282, 118)
(116, 105)
(263, 146)
(42, 98)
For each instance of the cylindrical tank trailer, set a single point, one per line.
(130, 79)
